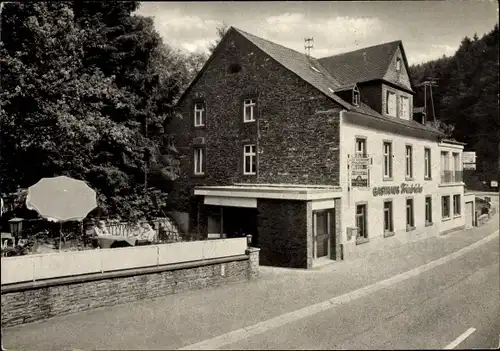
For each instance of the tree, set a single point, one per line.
(86, 88)
(221, 31)
(467, 96)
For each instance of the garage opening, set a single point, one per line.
(232, 222)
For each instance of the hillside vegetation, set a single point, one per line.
(467, 97)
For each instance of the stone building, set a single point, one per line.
(317, 159)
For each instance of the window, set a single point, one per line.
(234, 68)
(398, 64)
(355, 96)
(456, 205)
(199, 161)
(361, 147)
(248, 110)
(445, 167)
(387, 160)
(410, 220)
(390, 106)
(445, 207)
(404, 107)
(388, 223)
(199, 114)
(427, 163)
(457, 173)
(409, 161)
(249, 164)
(361, 221)
(428, 210)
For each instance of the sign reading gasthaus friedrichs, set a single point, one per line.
(404, 188)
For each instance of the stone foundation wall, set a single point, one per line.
(30, 302)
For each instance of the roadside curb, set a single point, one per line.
(308, 311)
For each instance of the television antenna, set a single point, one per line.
(308, 45)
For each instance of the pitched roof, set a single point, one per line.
(362, 65)
(306, 67)
(311, 71)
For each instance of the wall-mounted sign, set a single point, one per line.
(469, 160)
(359, 171)
(494, 184)
(404, 188)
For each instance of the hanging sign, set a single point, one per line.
(469, 160)
(359, 171)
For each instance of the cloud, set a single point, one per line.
(422, 54)
(190, 33)
(285, 22)
(333, 27)
(331, 35)
(195, 32)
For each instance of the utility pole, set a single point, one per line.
(429, 83)
(308, 45)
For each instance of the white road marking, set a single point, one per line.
(461, 338)
(264, 326)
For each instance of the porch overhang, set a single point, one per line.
(268, 191)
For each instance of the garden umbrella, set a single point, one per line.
(61, 199)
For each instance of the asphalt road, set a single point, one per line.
(430, 310)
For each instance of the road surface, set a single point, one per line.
(436, 293)
(430, 310)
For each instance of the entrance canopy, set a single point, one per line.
(246, 195)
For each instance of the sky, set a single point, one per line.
(428, 29)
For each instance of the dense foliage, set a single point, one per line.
(86, 89)
(467, 97)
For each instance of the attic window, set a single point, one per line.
(398, 64)
(234, 68)
(355, 96)
(315, 69)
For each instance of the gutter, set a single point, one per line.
(394, 122)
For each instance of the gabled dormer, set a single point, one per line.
(350, 94)
(397, 70)
(380, 74)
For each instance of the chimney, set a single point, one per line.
(364, 56)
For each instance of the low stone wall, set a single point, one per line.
(34, 301)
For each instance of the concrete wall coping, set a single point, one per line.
(16, 287)
(269, 192)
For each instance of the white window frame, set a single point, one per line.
(389, 210)
(408, 161)
(428, 210)
(199, 114)
(398, 64)
(250, 152)
(445, 215)
(387, 164)
(360, 142)
(199, 159)
(410, 208)
(404, 107)
(427, 163)
(355, 96)
(457, 205)
(391, 109)
(365, 220)
(249, 103)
